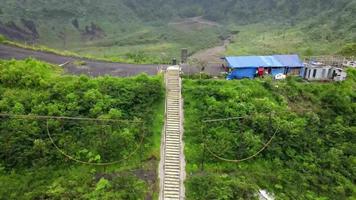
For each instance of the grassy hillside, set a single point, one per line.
(107, 29)
(127, 28)
(311, 156)
(284, 39)
(30, 165)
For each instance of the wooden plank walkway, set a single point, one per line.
(172, 187)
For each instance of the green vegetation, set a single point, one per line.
(313, 153)
(30, 166)
(349, 50)
(311, 157)
(117, 29)
(128, 58)
(2, 38)
(265, 40)
(112, 30)
(155, 45)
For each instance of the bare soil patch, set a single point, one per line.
(214, 54)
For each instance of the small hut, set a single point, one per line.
(316, 71)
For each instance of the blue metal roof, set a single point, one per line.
(289, 60)
(264, 61)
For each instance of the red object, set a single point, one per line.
(261, 71)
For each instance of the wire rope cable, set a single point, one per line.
(62, 152)
(244, 159)
(44, 117)
(92, 163)
(264, 147)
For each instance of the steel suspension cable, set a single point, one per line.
(244, 159)
(238, 160)
(44, 117)
(91, 163)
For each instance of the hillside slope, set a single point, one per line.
(32, 167)
(308, 129)
(120, 27)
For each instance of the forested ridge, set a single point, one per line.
(312, 155)
(30, 165)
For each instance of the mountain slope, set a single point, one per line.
(119, 27)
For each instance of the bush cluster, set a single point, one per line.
(311, 157)
(31, 87)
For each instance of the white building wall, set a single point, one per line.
(317, 73)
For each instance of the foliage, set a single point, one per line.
(140, 57)
(2, 38)
(349, 50)
(118, 189)
(71, 183)
(31, 87)
(220, 187)
(310, 158)
(266, 39)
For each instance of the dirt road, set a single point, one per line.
(214, 54)
(91, 67)
(212, 58)
(100, 68)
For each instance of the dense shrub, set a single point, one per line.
(31, 87)
(220, 187)
(310, 158)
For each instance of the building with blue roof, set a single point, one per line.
(254, 66)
